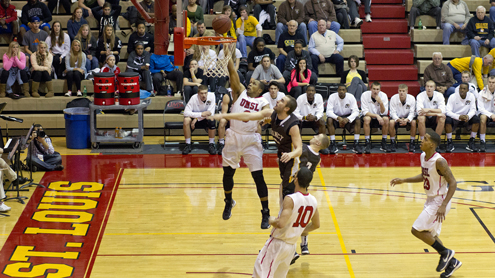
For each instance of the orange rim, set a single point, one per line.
(188, 42)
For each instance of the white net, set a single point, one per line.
(216, 66)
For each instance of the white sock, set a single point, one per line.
(392, 138)
(211, 140)
(221, 141)
(482, 137)
(304, 240)
(188, 140)
(356, 137)
(413, 137)
(367, 137)
(384, 136)
(422, 138)
(449, 135)
(473, 134)
(412, 28)
(332, 137)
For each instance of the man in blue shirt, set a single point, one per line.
(162, 67)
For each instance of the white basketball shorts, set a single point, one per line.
(274, 259)
(427, 220)
(245, 145)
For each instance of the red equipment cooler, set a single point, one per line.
(104, 85)
(128, 88)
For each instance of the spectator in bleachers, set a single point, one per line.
(41, 70)
(34, 36)
(479, 32)
(139, 61)
(195, 13)
(490, 70)
(193, 78)
(52, 4)
(291, 62)
(455, 17)
(59, 45)
(486, 107)
(75, 23)
(341, 13)
(354, 12)
(273, 95)
(402, 114)
(75, 63)
(194, 50)
(94, 7)
(291, 10)
(109, 44)
(149, 7)
(236, 5)
(108, 17)
(141, 35)
(441, 74)
(492, 10)
(34, 9)
(248, 29)
(267, 72)
(111, 67)
(41, 154)
(227, 10)
(256, 55)
(458, 65)
(425, 7)
(195, 113)
(299, 79)
(286, 43)
(374, 106)
(162, 68)
(309, 111)
(269, 9)
(88, 45)
(461, 111)
(430, 108)
(316, 10)
(14, 63)
(8, 19)
(325, 47)
(354, 79)
(342, 111)
(466, 78)
(172, 24)
(207, 55)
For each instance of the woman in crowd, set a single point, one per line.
(88, 45)
(14, 63)
(227, 10)
(299, 79)
(193, 78)
(111, 67)
(59, 45)
(75, 23)
(194, 13)
(41, 62)
(109, 44)
(354, 79)
(76, 68)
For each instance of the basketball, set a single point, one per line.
(221, 24)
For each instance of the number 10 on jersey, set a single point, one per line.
(302, 217)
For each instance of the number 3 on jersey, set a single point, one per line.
(426, 184)
(302, 218)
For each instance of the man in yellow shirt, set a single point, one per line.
(459, 65)
(249, 28)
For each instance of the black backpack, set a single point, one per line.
(79, 102)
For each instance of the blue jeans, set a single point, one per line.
(450, 91)
(313, 27)
(457, 74)
(243, 43)
(50, 161)
(448, 29)
(301, 29)
(475, 45)
(281, 62)
(492, 13)
(91, 64)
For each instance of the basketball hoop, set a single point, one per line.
(213, 67)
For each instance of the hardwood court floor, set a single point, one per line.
(167, 223)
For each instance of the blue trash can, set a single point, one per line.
(77, 130)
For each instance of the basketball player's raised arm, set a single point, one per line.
(295, 135)
(281, 221)
(235, 83)
(444, 170)
(314, 224)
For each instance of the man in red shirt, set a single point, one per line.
(8, 16)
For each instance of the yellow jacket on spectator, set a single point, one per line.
(249, 26)
(462, 64)
(232, 31)
(486, 70)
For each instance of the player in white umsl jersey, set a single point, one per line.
(299, 214)
(440, 186)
